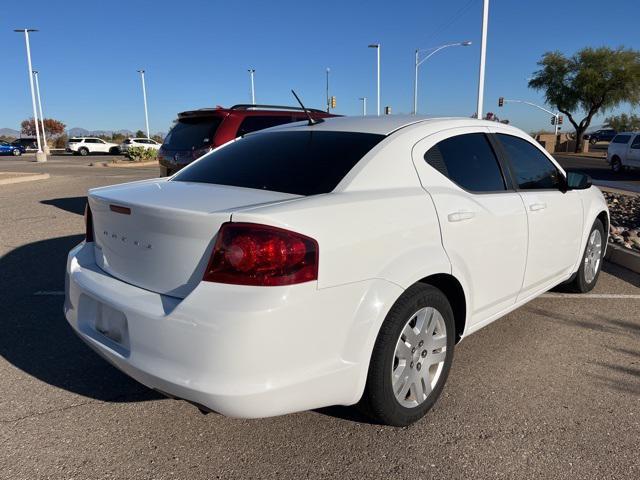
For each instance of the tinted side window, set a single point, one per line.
(621, 139)
(469, 161)
(636, 142)
(253, 124)
(302, 162)
(532, 169)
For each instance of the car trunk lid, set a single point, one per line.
(158, 235)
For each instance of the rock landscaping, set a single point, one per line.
(625, 219)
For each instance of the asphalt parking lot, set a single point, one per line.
(550, 391)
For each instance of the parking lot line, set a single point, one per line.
(576, 296)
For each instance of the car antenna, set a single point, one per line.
(312, 121)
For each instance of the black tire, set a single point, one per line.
(84, 151)
(379, 401)
(16, 152)
(114, 151)
(616, 164)
(581, 283)
(593, 141)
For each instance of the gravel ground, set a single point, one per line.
(625, 219)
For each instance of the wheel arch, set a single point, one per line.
(453, 290)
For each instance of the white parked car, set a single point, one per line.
(86, 145)
(624, 151)
(313, 265)
(139, 142)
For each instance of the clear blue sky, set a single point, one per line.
(196, 54)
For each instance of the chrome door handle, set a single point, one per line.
(534, 207)
(460, 216)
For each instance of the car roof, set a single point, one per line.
(383, 125)
(251, 110)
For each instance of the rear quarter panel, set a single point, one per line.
(391, 234)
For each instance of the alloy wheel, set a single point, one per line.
(419, 357)
(593, 256)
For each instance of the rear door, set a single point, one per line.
(482, 219)
(555, 217)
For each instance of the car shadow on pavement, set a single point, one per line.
(69, 204)
(35, 335)
(349, 413)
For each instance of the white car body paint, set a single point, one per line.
(628, 153)
(393, 220)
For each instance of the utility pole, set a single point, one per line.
(328, 98)
(44, 135)
(252, 71)
(40, 155)
(144, 96)
(377, 47)
(483, 57)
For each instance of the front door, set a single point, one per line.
(555, 217)
(633, 157)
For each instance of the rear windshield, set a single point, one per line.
(621, 139)
(192, 133)
(75, 140)
(302, 162)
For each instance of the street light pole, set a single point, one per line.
(328, 99)
(419, 62)
(253, 88)
(40, 155)
(44, 135)
(377, 47)
(144, 96)
(483, 57)
(364, 106)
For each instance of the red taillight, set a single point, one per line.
(88, 222)
(253, 254)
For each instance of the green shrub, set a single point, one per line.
(141, 154)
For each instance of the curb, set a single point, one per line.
(618, 191)
(124, 164)
(588, 155)
(23, 177)
(623, 257)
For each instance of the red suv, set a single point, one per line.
(197, 132)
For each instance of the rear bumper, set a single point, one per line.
(241, 351)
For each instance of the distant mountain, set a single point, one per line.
(9, 132)
(80, 132)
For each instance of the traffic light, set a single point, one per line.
(553, 120)
(333, 102)
(560, 119)
(501, 102)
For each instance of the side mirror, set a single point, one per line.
(578, 181)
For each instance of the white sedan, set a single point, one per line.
(139, 142)
(328, 264)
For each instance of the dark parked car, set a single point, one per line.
(605, 135)
(28, 143)
(197, 132)
(10, 149)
